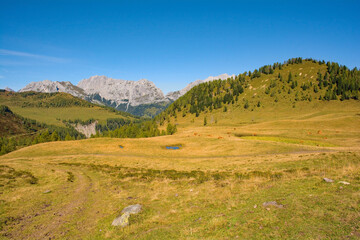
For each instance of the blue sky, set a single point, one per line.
(168, 42)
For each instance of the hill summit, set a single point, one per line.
(278, 85)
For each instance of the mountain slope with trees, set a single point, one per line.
(287, 84)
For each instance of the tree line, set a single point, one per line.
(142, 129)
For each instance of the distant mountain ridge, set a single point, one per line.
(9, 89)
(140, 97)
(132, 93)
(48, 86)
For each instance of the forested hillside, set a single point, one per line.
(11, 124)
(17, 131)
(296, 80)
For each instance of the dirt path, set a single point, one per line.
(54, 228)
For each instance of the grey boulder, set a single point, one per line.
(273, 203)
(328, 180)
(345, 183)
(123, 220)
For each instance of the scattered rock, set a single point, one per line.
(47, 191)
(176, 195)
(345, 183)
(132, 209)
(328, 180)
(272, 203)
(123, 220)
(255, 206)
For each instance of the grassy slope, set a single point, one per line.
(238, 174)
(220, 178)
(26, 107)
(10, 124)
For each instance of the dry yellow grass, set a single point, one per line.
(210, 188)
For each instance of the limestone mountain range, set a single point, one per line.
(140, 97)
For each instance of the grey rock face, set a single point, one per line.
(87, 130)
(9, 89)
(48, 86)
(120, 91)
(123, 220)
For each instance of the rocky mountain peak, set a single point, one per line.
(120, 91)
(48, 86)
(9, 89)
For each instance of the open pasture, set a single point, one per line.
(220, 184)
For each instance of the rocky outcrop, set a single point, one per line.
(87, 130)
(273, 203)
(328, 180)
(123, 220)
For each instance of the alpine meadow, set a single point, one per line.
(269, 152)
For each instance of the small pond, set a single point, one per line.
(173, 147)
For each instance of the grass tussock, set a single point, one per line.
(313, 167)
(71, 177)
(149, 175)
(9, 175)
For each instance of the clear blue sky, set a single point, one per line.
(168, 42)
